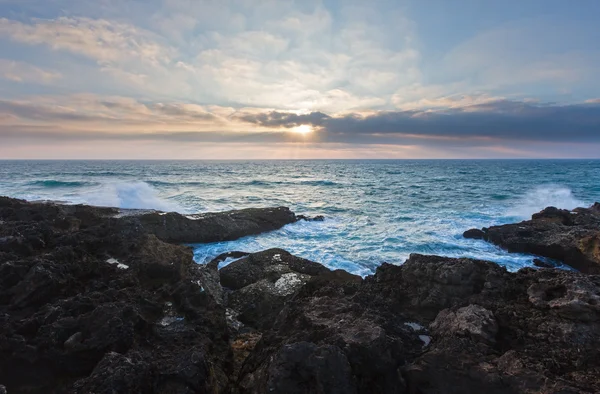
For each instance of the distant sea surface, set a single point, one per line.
(376, 211)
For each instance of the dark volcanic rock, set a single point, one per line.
(541, 263)
(572, 237)
(214, 227)
(260, 284)
(491, 331)
(318, 218)
(91, 300)
(474, 233)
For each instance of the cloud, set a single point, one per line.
(494, 120)
(495, 129)
(110, 114)
(104, 41)
(485, 123)
(286, 120)
(23, 72)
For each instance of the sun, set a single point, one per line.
(302, 129)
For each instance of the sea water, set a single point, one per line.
(375, 211)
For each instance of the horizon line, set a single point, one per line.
(318, 159)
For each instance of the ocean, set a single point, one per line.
(375, 210)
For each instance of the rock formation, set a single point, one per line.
(572, 237)
(95, 301)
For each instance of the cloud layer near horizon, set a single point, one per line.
(367, 79)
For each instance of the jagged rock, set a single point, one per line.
(262, 282)
(542, 264)
(572, 298)
(213, 227)
(488, 336)
(427, 284)
(227, 255)
(572, 237)
(324, 369)
(327, 340)
(473, 321)
(318, 218)
(474, 233)
(92, 301)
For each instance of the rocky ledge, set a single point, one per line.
(92, 303)
(572, 237)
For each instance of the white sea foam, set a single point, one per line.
(544, 196)
(129, 195)
(426, 340)
(117, 263)
(414, 326)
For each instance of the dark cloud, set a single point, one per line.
(501, 120)
(501, 123)
(286, 119)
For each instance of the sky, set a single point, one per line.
(266, 79)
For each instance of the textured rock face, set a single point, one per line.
(92, 303)
(472, 321)
(488, 332)
(214, 227)
(572, 237)
(258, 286)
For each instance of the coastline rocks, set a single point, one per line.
(258, 286)
(327, 340)
(572, 237)
(318, 218)
(473, 321)
(490, 331)
(169, 227)
(474, 233)
(213, 227)
(92, 301)
(542, 264)
(96, 304)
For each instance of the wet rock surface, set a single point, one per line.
(214, 227)
(257, 286)
(433, 325)
(572, 237)
(92, 302)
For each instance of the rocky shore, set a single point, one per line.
(100, 300)
(572, 237)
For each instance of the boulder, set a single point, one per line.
(259, 285)
(473, 321)
(212, 227)
(572, 237)
(474, 233)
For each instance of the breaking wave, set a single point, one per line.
(544, 196)
(130, 195)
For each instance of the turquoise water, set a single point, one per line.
(375, 211)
